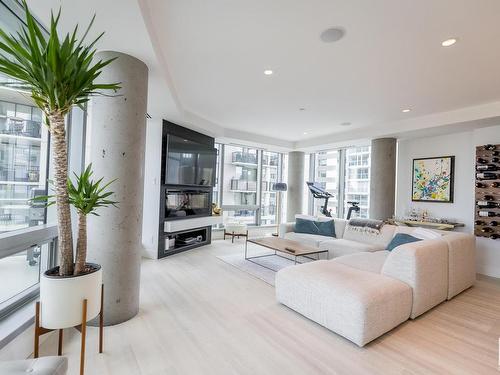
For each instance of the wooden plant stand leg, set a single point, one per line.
(37, 330)
(83, 331)
(101, 321)
(60, 344)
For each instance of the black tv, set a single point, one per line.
(189, 162)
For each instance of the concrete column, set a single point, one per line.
(383, 178)
(296, 183)
(116, 146)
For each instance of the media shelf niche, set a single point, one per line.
(487, 209)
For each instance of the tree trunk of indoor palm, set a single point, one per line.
(81, 244)
(65, 240)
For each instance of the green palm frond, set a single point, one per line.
(59, 73)
(86, 195)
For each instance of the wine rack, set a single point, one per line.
(487, 197)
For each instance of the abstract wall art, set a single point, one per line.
(433, 179)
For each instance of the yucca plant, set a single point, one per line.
(59, 74)
(87, 196)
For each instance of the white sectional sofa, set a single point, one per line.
(364, 291)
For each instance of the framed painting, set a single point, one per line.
(433, 179)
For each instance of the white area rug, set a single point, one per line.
(257, 270)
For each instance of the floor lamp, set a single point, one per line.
(279, 187)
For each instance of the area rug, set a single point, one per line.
(257, 270)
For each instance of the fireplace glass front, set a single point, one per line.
(187, 203)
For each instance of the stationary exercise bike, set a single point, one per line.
(320, 193)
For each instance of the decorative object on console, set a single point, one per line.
(279, 187)
(216, 210)
(487, 194)
(433, 179)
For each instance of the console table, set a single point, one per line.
(430, 224)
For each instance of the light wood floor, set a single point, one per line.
(202, 316)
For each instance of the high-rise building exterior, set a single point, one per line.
(357, 179)
(23, 161)
(327, 176)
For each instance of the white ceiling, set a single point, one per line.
(207, 59)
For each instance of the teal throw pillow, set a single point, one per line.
(323, 228)
(401, 239)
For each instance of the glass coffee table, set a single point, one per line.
(282, 247)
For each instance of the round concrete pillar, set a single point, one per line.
(116, 144)
(296, 183)
(383, 178)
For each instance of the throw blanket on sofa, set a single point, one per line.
(366, 225)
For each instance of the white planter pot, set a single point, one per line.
(61, 299)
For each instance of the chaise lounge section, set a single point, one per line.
(365, 294)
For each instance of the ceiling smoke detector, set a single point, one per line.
(332, 34)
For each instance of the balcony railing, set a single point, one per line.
(243, 185)
(25, 254)
(244, 157)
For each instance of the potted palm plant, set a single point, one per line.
(87, 195)
(59, 73)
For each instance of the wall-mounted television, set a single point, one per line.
(189, 162)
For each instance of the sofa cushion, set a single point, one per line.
(323, 228)
(461, 262)
(369, 236)
(356, 304)
(306, 239)
(365, 261)
(340, 247)
(400, 239)
(423, 265)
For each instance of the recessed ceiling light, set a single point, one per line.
(302, 109)
(406, 110)
(345, 124)
(332, 34)
(305, 133)
(448, 42)
(185, 140)
(268, 72)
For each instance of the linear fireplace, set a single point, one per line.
(183, 203)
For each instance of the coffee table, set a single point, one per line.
(282, 246)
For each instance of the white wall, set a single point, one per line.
(151, 204)
(462, 146)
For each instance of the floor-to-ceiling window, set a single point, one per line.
(357, 179)
(345, 173)
(271, 173)
(239, 184)
(326, 175)
(245, 184)
(23, 161)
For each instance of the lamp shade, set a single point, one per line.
(280, 186)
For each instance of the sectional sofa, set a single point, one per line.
(364, 291)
